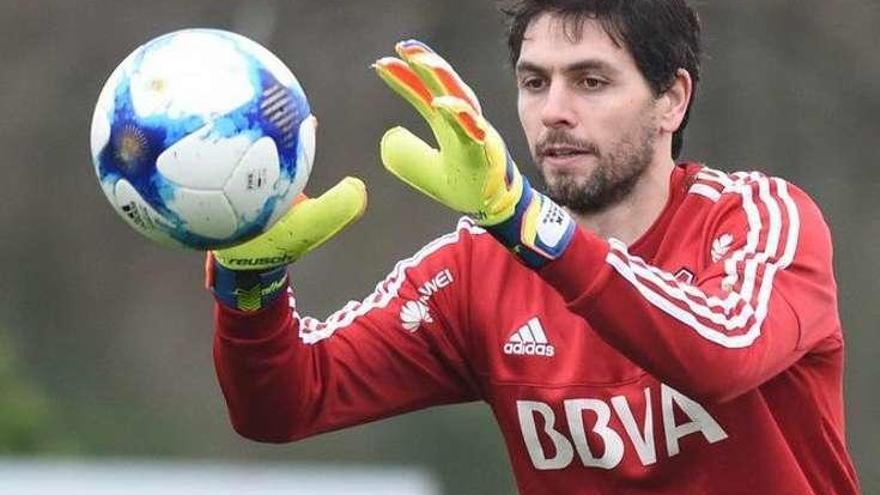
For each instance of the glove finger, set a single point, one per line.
(483, 157)
(398, 75)
(413, 161)
(467, 124)
(307, 225)
(436, 73)
(313, 221)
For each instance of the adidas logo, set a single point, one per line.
(529, 340)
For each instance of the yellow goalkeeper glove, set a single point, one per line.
(472, 171)
(249, 276)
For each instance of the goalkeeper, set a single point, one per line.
(646, 326)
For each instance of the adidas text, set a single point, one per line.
(529, 340)
(530, 349)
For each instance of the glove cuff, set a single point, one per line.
(539, 230)
(245, 290)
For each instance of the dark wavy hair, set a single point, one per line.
(662, 36)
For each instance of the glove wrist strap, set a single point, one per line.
(246, 290)
(539, 230)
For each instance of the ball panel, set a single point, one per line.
(191, 72)
(306, 154)
(203, 160)
(204, 213)
(105, 107)
(269, 61)
(302, 169)
(139, 214)
(281, 113)
(255, 180)
(100, 133)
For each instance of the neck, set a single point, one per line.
(630, 218)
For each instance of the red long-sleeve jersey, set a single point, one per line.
(705, 358)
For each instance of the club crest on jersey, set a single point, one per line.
(529, 340)
(720, 246)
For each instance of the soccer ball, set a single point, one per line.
(202, 138)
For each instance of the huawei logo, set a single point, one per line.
(413, 314)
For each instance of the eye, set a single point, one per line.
(532, 83)
(593, 83)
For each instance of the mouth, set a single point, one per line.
(563, 152)
(563, 156)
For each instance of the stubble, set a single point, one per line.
(616, 173)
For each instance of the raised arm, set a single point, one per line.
(766, 298)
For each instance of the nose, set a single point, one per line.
(557, 110)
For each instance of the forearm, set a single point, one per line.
(259, 372)
(287, 377)
(670, 339)
(281, 387)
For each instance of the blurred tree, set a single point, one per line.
(26, 420)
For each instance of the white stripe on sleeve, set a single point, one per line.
(313, 331)
(736, 320)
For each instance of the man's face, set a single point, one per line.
(589, 116)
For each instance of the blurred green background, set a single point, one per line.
(105, 338)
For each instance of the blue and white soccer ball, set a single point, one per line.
(202, 138)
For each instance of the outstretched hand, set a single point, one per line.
(470, 171)
(249, 276)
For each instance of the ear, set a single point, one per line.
(675, 101)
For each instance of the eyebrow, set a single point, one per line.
(575, 67)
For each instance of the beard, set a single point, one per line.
(616, 173)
